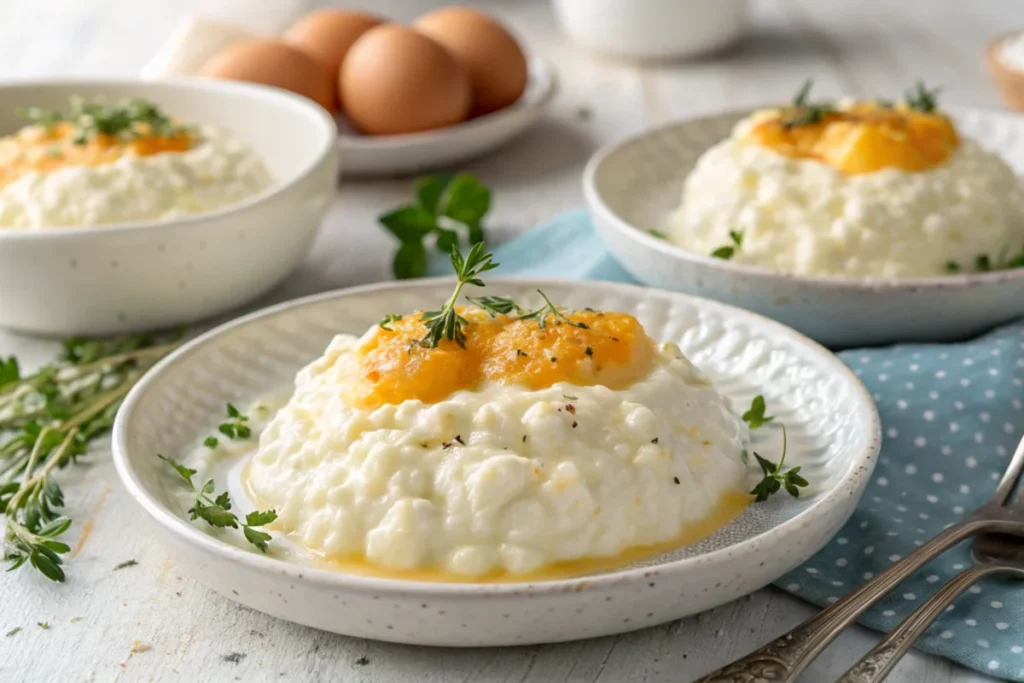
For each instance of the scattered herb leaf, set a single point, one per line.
(217, 512)
(127, 563)
(776, 478)
(388, 319)
(657, 233)
(755, 417)
(13, 631)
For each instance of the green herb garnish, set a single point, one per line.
(952, 267)
(388, 319)
(921, 98)
(542, 313)
(983, 263)
(127, 120)
(13, 631)
(801, 112)
(217, 511)
(728, 251)
(495, 305)
(755, 417)
(127, 563)
(445, 207)
(657, 233)
(47, 420)
(776, 478)
(235, 427)
(446, 323)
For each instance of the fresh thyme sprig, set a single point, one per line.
(801, 112)
(496, 305)
(921, 98)
(776, 477)
(542, 313)
(217, 511)
(126, 120)
(446, 323)
(47, 420)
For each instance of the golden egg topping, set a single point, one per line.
(93, 135)
(862, 137)
(581, 348)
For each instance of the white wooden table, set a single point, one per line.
(152, 622)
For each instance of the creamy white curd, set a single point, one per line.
(806, 217)
(217, 171)
(500, 479)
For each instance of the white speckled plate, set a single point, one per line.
(833, 433)
(631, 186)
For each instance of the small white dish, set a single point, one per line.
(833, 427)
(652, 29)
(112, 279)
(368, 155)
(631, 186)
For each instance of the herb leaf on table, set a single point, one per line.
(47, 420)
(446, 208)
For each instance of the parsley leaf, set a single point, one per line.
(446, 207)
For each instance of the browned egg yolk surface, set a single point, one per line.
(613, 350)
(862, 139)
(40, 149)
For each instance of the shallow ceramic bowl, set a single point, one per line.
(133, 276)
(632, 186)
(833, 434)
(368, 155)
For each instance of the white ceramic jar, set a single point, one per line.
(652, 29)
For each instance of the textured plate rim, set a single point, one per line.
(539, 71)
(851, 484)
(597, 204)
(307, 106)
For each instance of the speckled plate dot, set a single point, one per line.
(833, 434)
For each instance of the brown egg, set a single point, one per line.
(496, 63)
(327, 35)
(396, 80)
(272, 62)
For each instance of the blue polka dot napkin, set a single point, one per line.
(951, 417)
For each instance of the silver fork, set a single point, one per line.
(783, 659)
(992, 554)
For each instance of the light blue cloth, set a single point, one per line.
(951, 417)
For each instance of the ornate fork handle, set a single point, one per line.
(783, 659)
(876, 664)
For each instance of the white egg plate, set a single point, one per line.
(832, 424)
(631, 186)
(389, 155)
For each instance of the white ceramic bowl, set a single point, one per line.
(631, 186)
(831, 421)
(368, 155)
(652, 29)
(127, 277)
